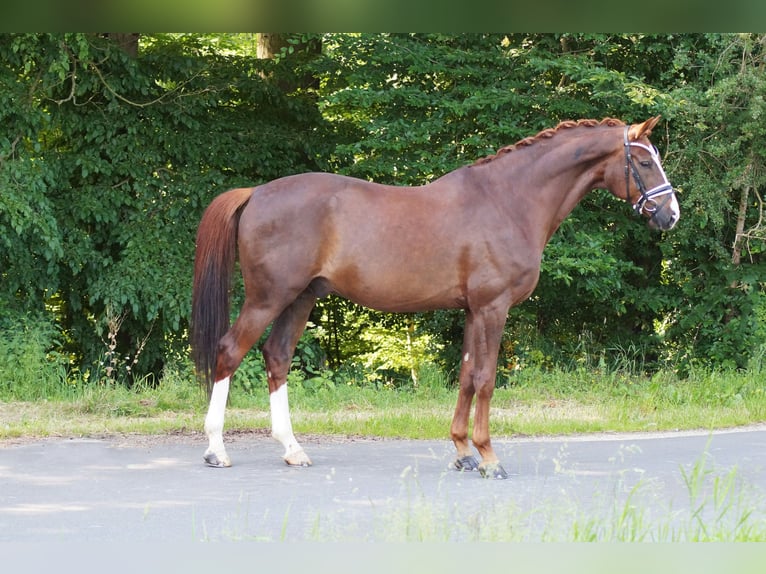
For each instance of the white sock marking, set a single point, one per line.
(281, 426)
(215, 417)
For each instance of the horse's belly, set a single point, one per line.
(399, 294)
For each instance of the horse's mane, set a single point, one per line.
(549, 133)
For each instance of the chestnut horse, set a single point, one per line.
(472, 239)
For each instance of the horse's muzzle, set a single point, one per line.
(665, 214)
(664, 220)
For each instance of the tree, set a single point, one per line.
(114, 144)
(112, 161)
(718, 312)
(412, 107)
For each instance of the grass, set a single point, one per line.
(625, 521)
(39, 397)
(532, 402)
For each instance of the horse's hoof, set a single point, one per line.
(466, 464)
(493, 470)
(211, 459)
(298, 458)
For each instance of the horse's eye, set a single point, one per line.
(645, 163)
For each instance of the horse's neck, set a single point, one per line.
(559, 174)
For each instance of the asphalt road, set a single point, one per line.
(157, 489)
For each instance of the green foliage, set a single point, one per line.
(107, 161)
(719, 161)
(29, 368)
(109, 166)
(417, 106)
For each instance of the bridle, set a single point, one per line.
(647, 201)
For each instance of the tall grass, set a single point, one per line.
(719, 508)
(28, 371)
(590, 395)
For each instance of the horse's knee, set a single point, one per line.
(459, 433)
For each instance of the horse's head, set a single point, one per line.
(644, 183)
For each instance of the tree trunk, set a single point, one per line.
(270, 44)
(736, 254)
(128, 42)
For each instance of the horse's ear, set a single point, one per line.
(637, 131)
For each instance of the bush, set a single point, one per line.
(28, 369)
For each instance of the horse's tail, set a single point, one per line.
(214, 261)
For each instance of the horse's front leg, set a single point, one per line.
(484, 329)
(490, 466)
(465, 460)
(488, 343)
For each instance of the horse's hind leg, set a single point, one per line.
(245, 332)
(215, 455)
(278, 352)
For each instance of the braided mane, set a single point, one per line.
(549, 133)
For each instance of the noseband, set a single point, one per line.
(647, 200)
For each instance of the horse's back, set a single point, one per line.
(386, 247)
